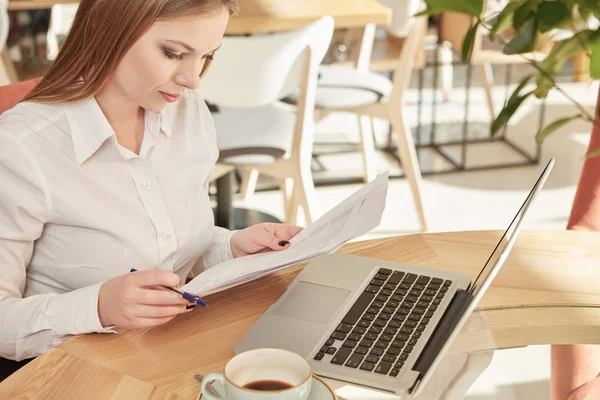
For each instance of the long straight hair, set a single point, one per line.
(102, 33)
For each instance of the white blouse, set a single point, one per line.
(77, 209)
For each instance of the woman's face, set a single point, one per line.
(168, 59)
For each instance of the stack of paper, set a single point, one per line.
(355, 216)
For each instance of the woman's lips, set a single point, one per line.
(170, 98)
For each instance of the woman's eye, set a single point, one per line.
(172, 55)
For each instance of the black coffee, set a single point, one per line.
(267, 385)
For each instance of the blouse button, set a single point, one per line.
(148, 185)
(167, 236)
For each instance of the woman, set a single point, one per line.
(105, 167)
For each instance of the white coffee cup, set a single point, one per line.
(261, 367)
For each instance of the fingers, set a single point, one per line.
(159, 297)
(154, 278)
(145, 311)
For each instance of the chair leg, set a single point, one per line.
(287, 193)
(248, 185)
(410, 162)
(487, 81)
(445, 58)
(305, 194)
(368, 148)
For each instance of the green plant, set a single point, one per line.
(528, 19)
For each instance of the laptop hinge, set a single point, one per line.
(438, 338)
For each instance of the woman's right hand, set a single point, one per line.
(131, 301)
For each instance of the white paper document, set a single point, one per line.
(355, 216)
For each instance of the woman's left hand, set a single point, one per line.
(262, 237)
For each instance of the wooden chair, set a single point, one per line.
(255, 132)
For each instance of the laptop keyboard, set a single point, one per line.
(385, 323)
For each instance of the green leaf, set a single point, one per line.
(467, 47)
(508, 111)
(518, 89)
(544, 133)
(550, 14)
(595, 59)
(524, 41)
(471, 7)
(503, 20)
(523, 13)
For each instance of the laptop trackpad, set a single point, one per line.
(311, 302)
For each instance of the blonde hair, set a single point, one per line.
(102, 33)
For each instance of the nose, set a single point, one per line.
(189, 76)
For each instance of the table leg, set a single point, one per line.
(366, 48)
(227, 216)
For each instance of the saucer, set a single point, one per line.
(318, 391)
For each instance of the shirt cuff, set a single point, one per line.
(222, 239)
(76, 312)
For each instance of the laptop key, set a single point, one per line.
(359, 330)
(421, 327)
(407, 305)
(377, 304)
(406, 329)
(398, 343)
(403, 356)
(331, 350)
(417, 335)
(381, 345)
(405, 286)
(396, 323)
(319, 356)
(434, 287)
(412, 324)
(394, 372)
(371, 336)
(344, 328)
(385, 317)
(414, 317)
(383, 368)
(372, 359)
(381, 298)
(364, 324)
(418, 287)
(447, 283)
(437, 281)
(354, 361)
(412, 342)
(389, 286)
(429, 292)
(412, 299)
(402, 336)
(403, 311)
(381, 276)
(340, 357)
(393, 302)
(375, 329)
(401, 292)
(389, 358)
(389, 310)
(366, 343)
(437, 302)
(369, 317)
(422, 304)
(426, 298)
(367, 366)
(338, 335)
(377, 282)
(444, 289)
(410, 278)
(385, 271)
(418, 310)
(324, 349)
(386, 337)
(350, 343)
(376, 352)
(372, 289)
(380, 323)
(429, 314)
(423, 280)
(358, 308)
(329, 342)
(385, 292)
(373, 310)
(390, 331)
(399, 364)
(425, 321)
(361, 350)
(440, 295)
(396, 277)
(415, 293)
(354, 336)
(408, 349)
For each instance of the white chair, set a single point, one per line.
(7, 73)
(61, 19)
(254, 132)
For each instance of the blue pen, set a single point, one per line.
(188, 296)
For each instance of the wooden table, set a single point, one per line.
(547, 293)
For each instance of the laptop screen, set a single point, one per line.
(503, 242)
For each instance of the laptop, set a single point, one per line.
(379, 325)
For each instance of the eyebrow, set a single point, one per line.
(188, 47)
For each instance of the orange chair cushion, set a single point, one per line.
(10, 95)
(585, 214)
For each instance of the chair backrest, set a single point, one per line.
(402, 12)
(61, 19)
(417, 28)
(10, 95)
(3, 23)
(257, 70)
